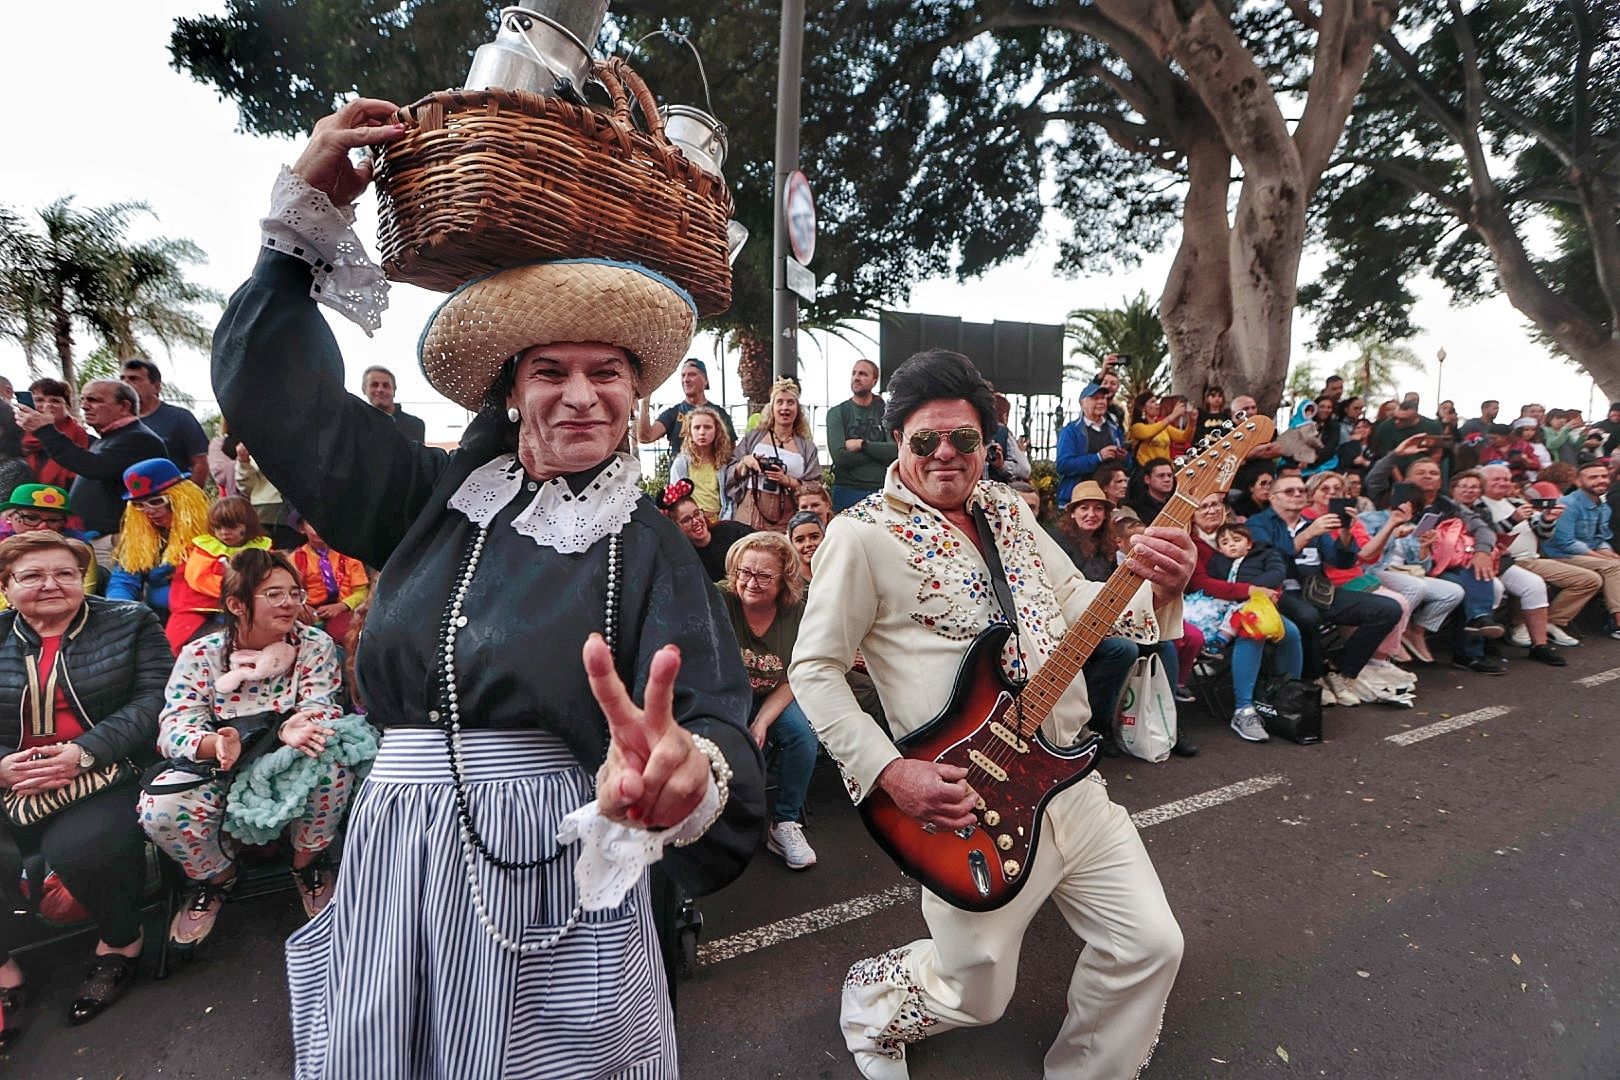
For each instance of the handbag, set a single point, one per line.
(26, 811)
(1146, 722)
(258, 739)
(1290, 708)
(767, 511)
(1319, 590)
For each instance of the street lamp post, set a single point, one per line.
(1439, 375)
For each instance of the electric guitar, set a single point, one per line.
(991, 725)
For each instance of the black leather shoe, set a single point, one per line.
(1110, 747)
(1483, 665)
(109, 977)
(1547, 655)
(1184, 748)
(1485, 627)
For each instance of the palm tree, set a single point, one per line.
(1132, 330)
(1375, 372)
(78, 272)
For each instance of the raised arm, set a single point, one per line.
(278, 375)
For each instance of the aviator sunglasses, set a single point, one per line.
(965, 440)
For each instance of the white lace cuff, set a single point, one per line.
(304, 223)
(612, 857)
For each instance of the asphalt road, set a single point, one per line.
(1441, 908)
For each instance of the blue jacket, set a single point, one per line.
(1076, 461)
(152, 586)
(1267, 528)
(1583, 528)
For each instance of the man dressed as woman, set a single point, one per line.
(470, 936)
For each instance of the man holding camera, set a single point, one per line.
(1088, 442)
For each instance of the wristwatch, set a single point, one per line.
(87, 760)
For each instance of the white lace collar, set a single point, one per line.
(557, 518)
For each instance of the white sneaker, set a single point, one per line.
(1341, 688)
(1246, 722)
(1385, 673)
(1521, 636)
(786, 838)
(1329, 698)
(1559, 636)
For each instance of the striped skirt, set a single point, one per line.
(396, 978)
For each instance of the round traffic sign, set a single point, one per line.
(801, 216)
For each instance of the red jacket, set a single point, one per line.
(46, 469)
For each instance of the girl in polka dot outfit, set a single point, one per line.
(264, 660)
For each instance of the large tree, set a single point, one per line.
(76, 271)
(936, 131)
(1485, 152)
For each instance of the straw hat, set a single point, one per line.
(491, 319)
(1088, 491)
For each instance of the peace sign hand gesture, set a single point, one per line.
(654, 776)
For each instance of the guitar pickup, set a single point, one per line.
(995, 771)
(1004, 733)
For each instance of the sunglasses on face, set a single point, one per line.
(964, 440)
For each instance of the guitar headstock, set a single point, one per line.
(1212, 463)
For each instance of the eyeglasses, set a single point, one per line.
(758, 577)
(35, 579)
(964, 440)
(153, 502)
(686, 521)
(34, 521)
(278, 597)
(1275, 491)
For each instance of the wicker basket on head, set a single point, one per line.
(483, 180)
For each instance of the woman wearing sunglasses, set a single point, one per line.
(764, 595)
(262, 662)
(164, 512)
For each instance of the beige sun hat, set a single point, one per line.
(491, 319)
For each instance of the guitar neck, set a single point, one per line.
(1041, 694)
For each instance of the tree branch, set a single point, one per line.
(1542, 134)
(1410, 177)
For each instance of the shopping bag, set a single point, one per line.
(1290, 709)
(1146, 724)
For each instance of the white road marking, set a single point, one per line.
(728, 948)
(1442, 727)
(1600, 678)
(797, 926)
(1158, 815)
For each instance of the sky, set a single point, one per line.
(127, 127)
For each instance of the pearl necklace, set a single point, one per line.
(472, 844)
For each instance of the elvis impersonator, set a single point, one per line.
(901, 577)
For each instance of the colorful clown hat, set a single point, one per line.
(37, 497)
(150, 477)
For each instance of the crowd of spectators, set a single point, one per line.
(166, 608)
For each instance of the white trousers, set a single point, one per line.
(1092, 864)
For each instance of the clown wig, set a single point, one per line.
(141, 547)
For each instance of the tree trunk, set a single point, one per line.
(1196, 305)
(62, 327)
(754, 369)
(1266, 242)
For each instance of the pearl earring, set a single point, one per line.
(512, 413)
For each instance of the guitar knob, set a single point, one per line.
(992, 818)
(979, 805)
(1010, 868)
(1004, 842)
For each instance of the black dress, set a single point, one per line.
(373, 493)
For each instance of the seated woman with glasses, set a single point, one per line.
(264, 661)
(164, 512)
(764, 596)
(233, 527)
(81, 684)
